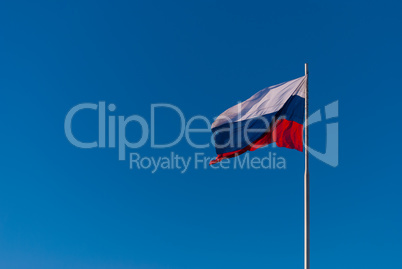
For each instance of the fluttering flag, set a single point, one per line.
(274, 114)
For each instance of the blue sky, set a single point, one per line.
(65, 207)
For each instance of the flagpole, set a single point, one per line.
(306, 182)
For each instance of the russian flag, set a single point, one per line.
(274, 114)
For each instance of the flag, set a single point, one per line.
(274, 114)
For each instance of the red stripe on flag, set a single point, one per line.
(287, 134)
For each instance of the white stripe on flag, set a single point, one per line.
(266, 101)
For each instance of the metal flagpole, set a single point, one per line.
(306, 182)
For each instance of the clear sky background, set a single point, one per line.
(65, 207)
